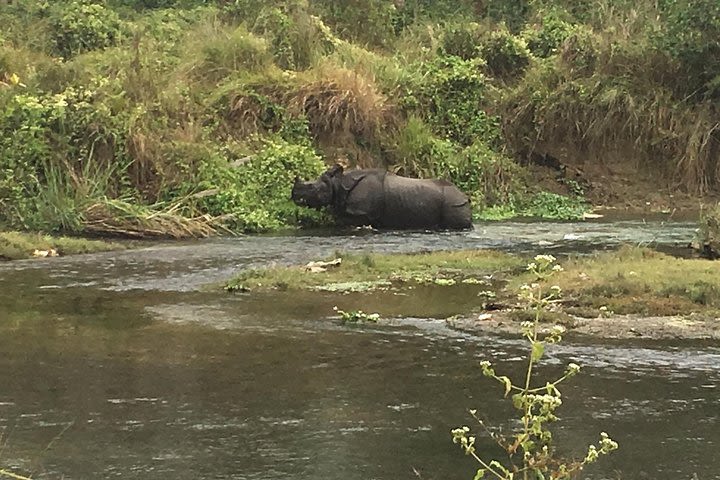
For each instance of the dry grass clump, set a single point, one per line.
(338, 101)
(122, 219)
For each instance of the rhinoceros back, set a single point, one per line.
(432, 203)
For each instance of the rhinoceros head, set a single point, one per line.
(316, 194)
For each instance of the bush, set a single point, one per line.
(491, 178)
(364, 21)
(229, 52)
(689, 34)
(256, 194)
(579, 52)
(461, 40)
(506, 55)
(57, 145)
(512, 13)
(545, 39)
(449, 93)
(296, 38)
(83, 25)
(416, 152)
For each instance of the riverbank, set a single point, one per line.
(22, 245)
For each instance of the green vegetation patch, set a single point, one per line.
(639, 280)
(378, 271)
(17, 245)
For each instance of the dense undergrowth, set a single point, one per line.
(186, 117)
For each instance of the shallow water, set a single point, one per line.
(120, 365)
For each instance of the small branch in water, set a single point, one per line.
(5, 473)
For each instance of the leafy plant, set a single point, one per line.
(531, 448)
(552, 205)
(83, 25)
(688, 33)
(357, 316)
(545, 39)
(449, 93)
(506, 55)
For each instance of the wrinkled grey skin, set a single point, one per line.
(385, 200)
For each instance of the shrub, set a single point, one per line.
(297, 39)
(513, 13)
(449, 93)
(491, 178)
(227, 52)
(689, 34)
(545, 39)
(461, 40)
(256, 194)
(707, 240)
(579, 52)
(363, 21)
(416, 152)
(83, 25)
(506, 55)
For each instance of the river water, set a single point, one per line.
(127, 365)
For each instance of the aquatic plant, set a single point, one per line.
(357, 316)
(531, 449)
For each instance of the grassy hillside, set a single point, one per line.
(185, 117)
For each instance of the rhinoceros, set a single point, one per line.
(382, 199)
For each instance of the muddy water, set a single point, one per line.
(120, 365)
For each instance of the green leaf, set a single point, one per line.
(480, 474)
(538, 349)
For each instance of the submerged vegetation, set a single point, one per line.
(188, 117)
(359, 273)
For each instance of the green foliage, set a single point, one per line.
(229, 52)
(449, 93)
(544, 40)
(255, 195)
(83, 25)
(506, 55)
(689, 33)
(364, 21)
(552, 205)
(461, 40)
(532, 441)
(579, 52)
(513, 13)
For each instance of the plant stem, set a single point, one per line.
(5, 473)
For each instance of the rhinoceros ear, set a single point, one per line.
(336, 170)
(297, 180)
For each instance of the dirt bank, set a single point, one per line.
(689, 327)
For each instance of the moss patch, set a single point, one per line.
(378, 271)
(17, 245)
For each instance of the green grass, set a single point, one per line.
(637, 280)
(18, 245)
(373, 271)
(631, 280)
